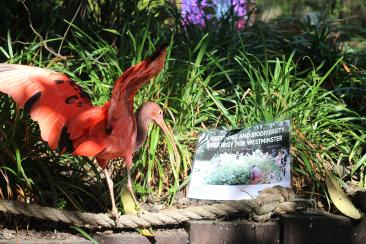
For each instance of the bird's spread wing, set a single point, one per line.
(121, 104)
(63, 111)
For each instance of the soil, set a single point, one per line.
(23, 234)
(43, 234)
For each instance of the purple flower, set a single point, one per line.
(198, 11)
(240, 8)
(193, 11)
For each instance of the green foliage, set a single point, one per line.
(322, 124)
(214, 77)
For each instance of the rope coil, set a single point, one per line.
(275, 200)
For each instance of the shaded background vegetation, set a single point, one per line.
(277, 67)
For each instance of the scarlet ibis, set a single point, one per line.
(69, 123)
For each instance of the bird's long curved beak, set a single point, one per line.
(169, 135)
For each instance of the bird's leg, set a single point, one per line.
(114, 211)
(129, 184)
(130, 189)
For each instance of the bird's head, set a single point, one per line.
(152, 112)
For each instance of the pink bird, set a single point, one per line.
(69, 122)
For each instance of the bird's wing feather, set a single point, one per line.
(121, 103)
(54, 101)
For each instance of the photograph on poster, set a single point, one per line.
(237, 164)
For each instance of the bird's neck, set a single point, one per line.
(142, 126)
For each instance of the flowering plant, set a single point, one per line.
(198, 12)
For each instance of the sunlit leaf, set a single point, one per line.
(340, 199)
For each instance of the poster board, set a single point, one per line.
(237, 164)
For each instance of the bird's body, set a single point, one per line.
(69, 122)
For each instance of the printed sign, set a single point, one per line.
(237, 164)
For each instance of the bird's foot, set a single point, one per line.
(115, 214)
(138, 209)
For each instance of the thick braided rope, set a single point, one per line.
(272, 200)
